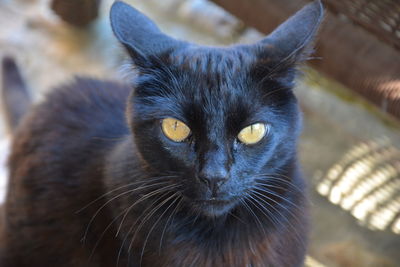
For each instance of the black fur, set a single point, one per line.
(14, 93)
(98, 143)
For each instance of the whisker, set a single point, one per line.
(145, 219)
(265, 190)
(113, 198)
(133, 225)
(196, 218)
(236, 217)
(298, 237)
(142, 199)
(273, 178)
(103, 233)
(154, 225)
(167, 222)
(276, 202)
(263, 209)
(123, 186)
(255, 216)
(273, 186)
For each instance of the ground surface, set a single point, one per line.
(350, 152)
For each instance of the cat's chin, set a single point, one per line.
(215, 208)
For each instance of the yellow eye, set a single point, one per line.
(252, 134)
(175, 130)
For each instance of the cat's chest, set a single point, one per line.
(188, 253)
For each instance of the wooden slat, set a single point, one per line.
(382, 18)
(350, 54)
(76, 12)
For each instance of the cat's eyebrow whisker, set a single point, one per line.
(274, 91)
(113, 198)
(169, 74)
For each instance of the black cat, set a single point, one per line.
(193, 165)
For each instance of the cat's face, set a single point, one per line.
(238, 127)
(217, 119)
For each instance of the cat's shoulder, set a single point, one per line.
(72, 118)
(81, 103)
(85, 93)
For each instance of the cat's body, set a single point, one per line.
(46, 226)
(94, 182)
(43, 202)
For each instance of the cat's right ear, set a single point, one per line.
(139, 34)
(292, 42)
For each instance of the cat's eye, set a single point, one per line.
(175, 130)
(252, 134)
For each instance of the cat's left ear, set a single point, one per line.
(292, 41)
(139, 34)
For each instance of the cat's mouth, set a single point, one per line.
(214, 206)
(214, 202)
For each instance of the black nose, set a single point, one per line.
(213, 179)
(213, 168)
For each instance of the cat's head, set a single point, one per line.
(222, 120)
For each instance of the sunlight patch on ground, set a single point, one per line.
(366, 182)
(311, 262)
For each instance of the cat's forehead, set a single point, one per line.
(222, 61)
(211, 70)
(212, 75)
(217, 84)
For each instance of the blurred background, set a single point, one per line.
(350, 96)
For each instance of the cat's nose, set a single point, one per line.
(213, 170)
(213, 180)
